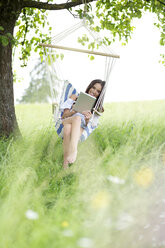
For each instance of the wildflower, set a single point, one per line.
(31, 215)
(144, 177)
(116, 180)
(140, 237)
(64, 224)
(85, 242)
(67, 233)
(100, 200)
(156, 228)
(124, 221)
(162, 215)
(147, 226)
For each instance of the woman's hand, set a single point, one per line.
(87, 115)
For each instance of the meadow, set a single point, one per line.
(111, 197)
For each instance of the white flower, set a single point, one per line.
(85, 242)
(31, 215)
(116, 180)
(147, 226)
(162, 215)
(124, 221)
(140, 237)
(67, 233)
(156, 228)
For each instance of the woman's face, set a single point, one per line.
(95, 90)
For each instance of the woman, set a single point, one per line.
(74, 123)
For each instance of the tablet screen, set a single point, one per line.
(84, 102)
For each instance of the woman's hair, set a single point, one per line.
(97, 81)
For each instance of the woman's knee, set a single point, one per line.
(77, 119)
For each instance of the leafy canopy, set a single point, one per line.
(112, 15)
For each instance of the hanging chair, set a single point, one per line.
(64, 88)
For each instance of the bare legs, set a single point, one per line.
(72, 133)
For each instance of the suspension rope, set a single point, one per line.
(110, 56)
(70, 30)
(66, 32)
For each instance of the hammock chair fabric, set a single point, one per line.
(67, 88)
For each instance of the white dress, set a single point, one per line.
(89, 128)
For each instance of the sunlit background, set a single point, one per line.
(136, 76)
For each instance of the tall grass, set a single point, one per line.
(113, 196)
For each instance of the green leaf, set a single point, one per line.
(9, 35)
(162, 42)
(61, 56)
(1, 28)
(123, 44)
(92, 57)
(4, 40)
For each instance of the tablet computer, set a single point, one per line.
(84, 102)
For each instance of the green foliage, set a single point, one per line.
(29, 32)
(163, 59)
(115, 16)
(83, 40)
(4, 40)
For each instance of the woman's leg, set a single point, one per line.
(75, 134)
(66, 143)
(73, 149)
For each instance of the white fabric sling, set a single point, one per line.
(66, 89)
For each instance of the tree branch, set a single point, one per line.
(161, 2)
(48, 6)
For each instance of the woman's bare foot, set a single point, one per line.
(65, 167)
(72, 156)
(66, 164)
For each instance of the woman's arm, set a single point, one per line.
(68, 112)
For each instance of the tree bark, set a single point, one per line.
(8, 122)
(51, 6)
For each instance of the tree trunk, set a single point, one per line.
(8, 122)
